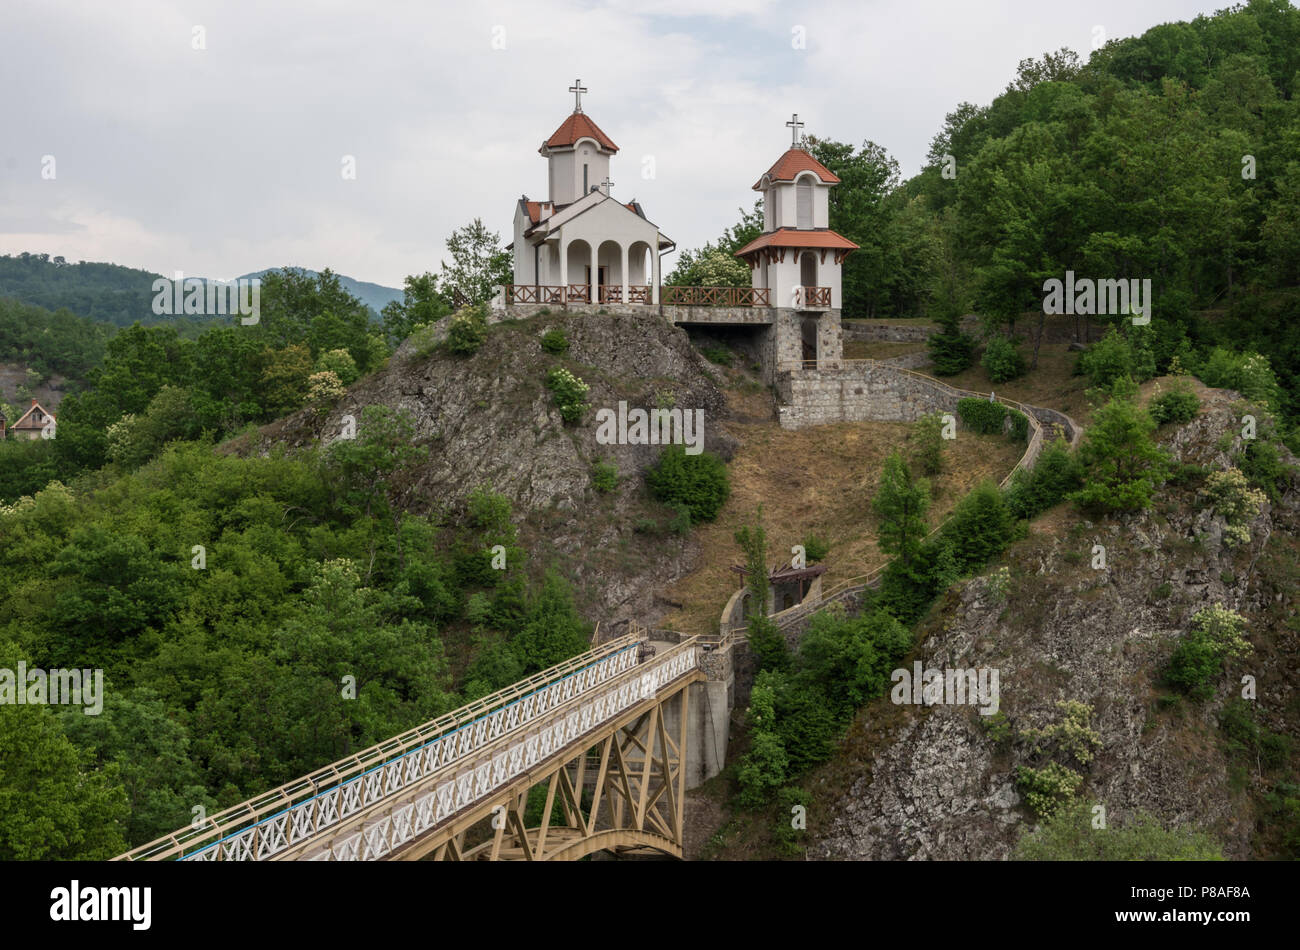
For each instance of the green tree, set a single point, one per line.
(552, 631)
(53, 804)
(422, 304)
(361, 472)
(901, 503)
(1122, 465)
(478, 263)
(699, 481)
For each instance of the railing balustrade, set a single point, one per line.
(644, 294)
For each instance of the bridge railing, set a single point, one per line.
(384, 830)
(270, 822)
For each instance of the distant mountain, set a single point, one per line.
(111, 293)
(374, 296)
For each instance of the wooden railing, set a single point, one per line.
(613, 293)
(717, 296)
(643, 294)
(813, 297)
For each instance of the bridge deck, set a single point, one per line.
(369, 805)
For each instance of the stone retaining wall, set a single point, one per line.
(875, 392)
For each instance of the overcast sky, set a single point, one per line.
(228, 159)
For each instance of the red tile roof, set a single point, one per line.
(793, 237)
(793, 162)
(44, 415)
(578, 126)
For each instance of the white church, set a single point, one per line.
(580, 245)
(583, 246)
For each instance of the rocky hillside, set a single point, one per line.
(488, 419)
(939, 782)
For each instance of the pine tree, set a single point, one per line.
(901, 504)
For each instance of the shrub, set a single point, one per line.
(981, 415)
(815, 548)
(1047, 790)
(1248, 373)
(1048, 483)
(604, 477)
(554, 341)
(698, 481)
(680, 522)
(787, 800)
(928, 454)
(851, 658)
(570, 393)
(340, 363)
(1019, 431)
(1072, 736)
(1235, 501)
(979, 528)
(1249, 740)
(1261, 463)
(1071, 836)
(324, 387)
(718, 354)
(768, 642)
(1114, 357)
(467, 330)
(1177, 405)
(1002, 360)
(1217, 634)
(763, 769)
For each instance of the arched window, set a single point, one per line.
(803, 201)
(808, 269)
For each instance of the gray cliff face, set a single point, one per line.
(935, 784)
(488, 419)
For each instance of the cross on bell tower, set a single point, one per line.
(577, 89)
(794, 125)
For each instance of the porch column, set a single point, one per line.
(654, 272)
(564, 271)
(623, 269)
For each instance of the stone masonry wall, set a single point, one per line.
(858, 393)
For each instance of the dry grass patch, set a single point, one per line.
(820, 481)
(1052, 385)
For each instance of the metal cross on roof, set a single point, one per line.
(794, 125)
(608, 184)
(577, 89)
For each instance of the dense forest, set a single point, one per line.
(108, 293)
(50, 342)
(111, 293)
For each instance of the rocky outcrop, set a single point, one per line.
(488, 419)
(937, 782)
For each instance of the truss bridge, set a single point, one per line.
(587, 756)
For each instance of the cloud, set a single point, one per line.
(227, 159)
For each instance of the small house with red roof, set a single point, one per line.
(581, 245)
(32, 423)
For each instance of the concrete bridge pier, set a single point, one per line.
(708, 711)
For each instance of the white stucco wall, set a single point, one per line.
(565, 173)
(784, 276)
(784, 201)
